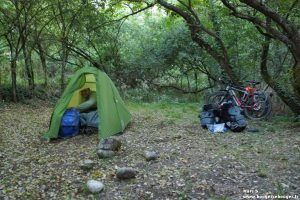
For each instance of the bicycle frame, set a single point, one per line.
(246, 96)
(254, 102)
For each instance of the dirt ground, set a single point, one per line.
(193, 163)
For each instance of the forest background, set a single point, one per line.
(153, 50)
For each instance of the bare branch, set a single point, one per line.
(86, 56)
(124, 17)
(181, 89)
(268, 12)
(257, 22)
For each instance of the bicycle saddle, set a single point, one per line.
(253, 82)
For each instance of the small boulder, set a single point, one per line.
(95, 186)
(126, 173)
(111, 143)
(150, 155)
(105, 153)
(87, 164)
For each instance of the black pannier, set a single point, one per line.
(209, 115)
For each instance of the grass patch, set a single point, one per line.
(169, 112)
(262, 170)
(280, 191)
(218, 198)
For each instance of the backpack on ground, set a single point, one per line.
(226, 113)
(231, 115)
(209, 115)
(70, 123)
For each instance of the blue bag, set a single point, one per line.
(70, 123)
(209, 115)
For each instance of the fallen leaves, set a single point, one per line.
(192, 162)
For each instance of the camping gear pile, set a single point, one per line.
(110, 107)
(222, 118)
(73, 122)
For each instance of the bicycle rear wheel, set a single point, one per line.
(262, 108)
(217, 98)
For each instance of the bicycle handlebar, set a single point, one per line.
(230, 83)
(253, 82)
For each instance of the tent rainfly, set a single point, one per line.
(113, 115)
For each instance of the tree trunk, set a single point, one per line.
(13, 70)
(188, 81)
(0, 77)
(223, 62)
(63, 65)
(289, 99)
(197, 29)
(28, 67)
(288, 32)
(196, 78)
(43, 61)
(296, 76)
(31, 70)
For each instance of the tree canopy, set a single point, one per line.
(181, 45)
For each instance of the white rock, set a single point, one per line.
(95, 186)
(150, 155)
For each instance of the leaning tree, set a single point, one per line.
(278, 26)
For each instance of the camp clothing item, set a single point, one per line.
(90, 119)
(89, 104)
(217, 128)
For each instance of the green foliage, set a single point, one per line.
(262, 170)
(141, 95)
(163, 53)
(280, 190)
(49, 94)
(150, 54)
(182, 195)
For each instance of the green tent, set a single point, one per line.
(112, 112)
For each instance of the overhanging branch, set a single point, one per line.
(124, 17)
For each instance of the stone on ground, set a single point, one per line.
(95, 186)
(126, 173)
(105, 153)
(87, 164)
(150, 155)
(107, 147)
(111, 143)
